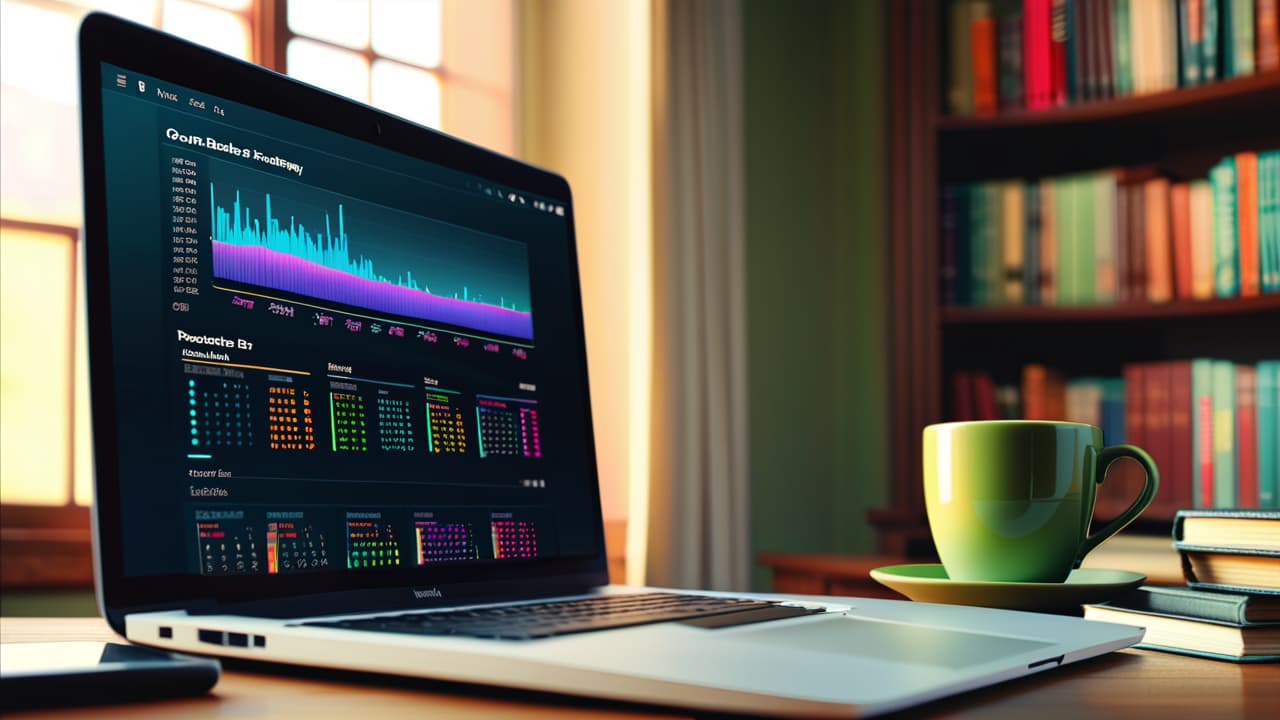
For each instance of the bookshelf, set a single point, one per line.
(1182, 131)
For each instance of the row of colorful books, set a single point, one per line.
(1036, 54)
(1119, 235)
(1212, 426)
(1230, 608)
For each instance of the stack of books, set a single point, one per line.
(1212, 426)
(1114, 236)
(1036, 54)
(1230, 608)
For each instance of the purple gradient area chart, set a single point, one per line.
(289, 273)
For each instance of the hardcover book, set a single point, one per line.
(1190, 635)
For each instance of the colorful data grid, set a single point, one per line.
(294, 546)
(227, 544)
(371, 543)
(444, 541)
(446, 425)
(219, 410)
(350, 429)
(395, 425)
(514, 538)
(508, 427)
(290, 425)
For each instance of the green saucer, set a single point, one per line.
(929, 583)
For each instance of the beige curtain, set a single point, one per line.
(698, 512)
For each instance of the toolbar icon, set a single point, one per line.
(121, 80)
(142, 86)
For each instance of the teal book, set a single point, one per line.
(1123, 54)
(1268, 405)
(1269, 220)
(1209, 41)
(1239, 46)
(1202, 432)
(1224, 434)
(977, 243)
(1086, 255)
(995, 273)
(1222, 607)
(1226, 249)
(1188, 47)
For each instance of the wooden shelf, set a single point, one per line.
(1127, 312)
(1253, 92)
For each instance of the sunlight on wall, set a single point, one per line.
(585, 101)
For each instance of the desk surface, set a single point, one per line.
(1129, 684)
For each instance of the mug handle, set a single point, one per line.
(1102, 463)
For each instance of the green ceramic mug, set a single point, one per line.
(1011, 500)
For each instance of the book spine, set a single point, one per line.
(1224, 434)
(1268, 249)
(1124, 289)
(978, 243)
(1122, 48)
(1272, 223)
(1181, 439)
(1129, 478)
(1158, 241)
(1267, 27)
(1180, 214)
(1086, 253)
(1013, 213)
(1033, 392)
(1210, 36)
(982, 44)
(963, 240)
(1011, 58)
(1241, 37)
(1201, 221)
(1106, 49)
(1065, 216)
(1202, 431)
(1060, 29)
(1226, 275)
(1105, 283)
(1267, 402)
(1189, 42)
(1048, 243)
(1113, 412)
(1075, 56)
(1247, 222)
(947, 227)
(1031, 238)
(1246, 437)
(1138, 240)
(1169, 45)
(1036, 33)
(1156, 429)
(1187, 603)
(960, 78)
(994, 270)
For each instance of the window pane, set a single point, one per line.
(345, 73)
(36, 297)
(407, 30)
(407, 92)
(217, 29)
(39, 123)
(139, 11)
(345, 22)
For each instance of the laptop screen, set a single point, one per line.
(329, 357)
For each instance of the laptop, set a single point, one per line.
(341, 419)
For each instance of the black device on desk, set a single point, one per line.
(91, 673)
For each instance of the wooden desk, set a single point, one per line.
(1131, 684)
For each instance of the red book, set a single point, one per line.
(1180, 438)
(1247, 221)
(1043, 393)
(1204, 443)
(1246, 437)
(982, 46)
(984, 397)
(1035, 53)
(1130, 475)
(1058, 30)
(1156, 429)
(1180, 212)
(1266, 33)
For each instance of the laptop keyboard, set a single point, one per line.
(543, 620)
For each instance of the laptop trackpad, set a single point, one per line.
(879, 640)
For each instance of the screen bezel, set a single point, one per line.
(106, 39)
